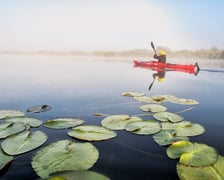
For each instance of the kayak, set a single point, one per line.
(158, 66)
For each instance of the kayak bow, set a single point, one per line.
(158, 66)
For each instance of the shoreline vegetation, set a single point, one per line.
(212, 53)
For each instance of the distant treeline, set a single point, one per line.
(212, 53)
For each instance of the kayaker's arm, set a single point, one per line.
(156, 56)
(161, 58)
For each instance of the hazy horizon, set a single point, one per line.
(45, 25)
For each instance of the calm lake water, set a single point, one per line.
(79, 87)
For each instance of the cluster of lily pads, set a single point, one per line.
(67, 159)
(64, 159)
(197, 161)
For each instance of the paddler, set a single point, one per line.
(161, 57)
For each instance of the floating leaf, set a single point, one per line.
(143, 127)
(91, 133)
(158, 98)
(4, 159)
(23, 142)
(133, 94)
(118, 122)
(168, 116)
(197, 173)
(192, 154)
(164, 98)
(179, 148)
(33, 122)
(153, 108)
(219, 166)
(64, 155)
(184, 128)
(167, 137)
(145, 99)
(78, 175)
(185, 101)
(10, 113)
(39, 108)
(9, 128)
(61, 123)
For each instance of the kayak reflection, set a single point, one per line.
(162, 68)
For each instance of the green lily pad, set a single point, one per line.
(167, 137)
(197, 173)
(184, 101)
(181, 146)
(9, 128)
(219, 166)
(143, 127)
(118, 122)
(164, 97)
(64, 155)
(168, 116)
(23, 142)
(184, 128)
(61, 123)
(10, 113)
(91, 133)
(146, 99)
(133, 94)
(4, 159)
(33, 122)
(39, 108)
(193, 154)
(153, 108)
(78, 175)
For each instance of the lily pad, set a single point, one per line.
(167, 137)
(64, 155)
(118, 122)
(39, 108)
(10, 113)
(78, 175)
(4, 159)
(184, 101)
(146, 99)
(184, 128)
(219, 166)
(168, 116)
(164, 98)
(23, 142)
(61, 123)
(133, 94)
(33, 122)
(143, 127)
(9, 128)
(91, 133)
(153, 108)
(193, 154)
(197, 173)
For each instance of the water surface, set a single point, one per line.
(79, 87)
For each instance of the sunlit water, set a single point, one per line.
(79, 87)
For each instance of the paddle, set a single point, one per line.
(150, 86)
(153, 47)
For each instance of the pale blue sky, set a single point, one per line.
(110, 25)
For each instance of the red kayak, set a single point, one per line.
(158, 66)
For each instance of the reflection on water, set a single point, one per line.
(79, 87)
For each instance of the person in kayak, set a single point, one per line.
(161, 57)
